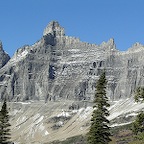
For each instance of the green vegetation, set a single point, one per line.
(125, 135)
(4, 125)
(139, 94)
(138, 124)
(99, 132)
(120, 135)
(72, 140)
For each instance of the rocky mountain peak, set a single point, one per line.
(62, 67)
(1, 47)
(136, 47)
(54, 28)
(137, 44)
(4, 57)
(110, 44)
(111, 41)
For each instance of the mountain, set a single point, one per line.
(4, 57)
(61, 67)
(51, 84)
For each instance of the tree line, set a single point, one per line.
(5, 134)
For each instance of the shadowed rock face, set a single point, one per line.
(62, 67)
(4, 57)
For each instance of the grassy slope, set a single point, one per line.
(120, 135)
(124, 135)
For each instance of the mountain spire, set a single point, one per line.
(1, 47)
(54, 28)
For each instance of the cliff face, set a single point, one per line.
(4, 57)
(62, 67)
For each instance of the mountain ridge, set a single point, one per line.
(62, 67)
(50, 85)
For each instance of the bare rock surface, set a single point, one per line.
(51, 84)
(4, 57)
(61, 67)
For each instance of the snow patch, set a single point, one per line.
(114, 125)
(72, 62)
(64, 114)
(77, 55)
(74, 111)
(39, 120)
(125, 106)
(23, 103)
(60, 123)
(18, 57)
(46, 132)
(74, 50)
(131, 114)
(84, 113)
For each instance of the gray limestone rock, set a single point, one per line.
(54, 29)
(4, 57)
(61, 67)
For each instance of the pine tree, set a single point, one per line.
(138, 124)
(99, 131)
(139, 94)
(4, 125)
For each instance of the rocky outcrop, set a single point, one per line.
(54, 29)
(61, 67)
(4, 57)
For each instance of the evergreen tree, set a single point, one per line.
(138, 124)
(99, 131)
(4, 125)
(139, 94)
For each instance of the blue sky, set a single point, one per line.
(94, 21)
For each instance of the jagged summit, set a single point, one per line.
(110, 44)
(136, 47)
(54, 28)
(63, 67)
(54, 34)
(4, 57)
(1, 47)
